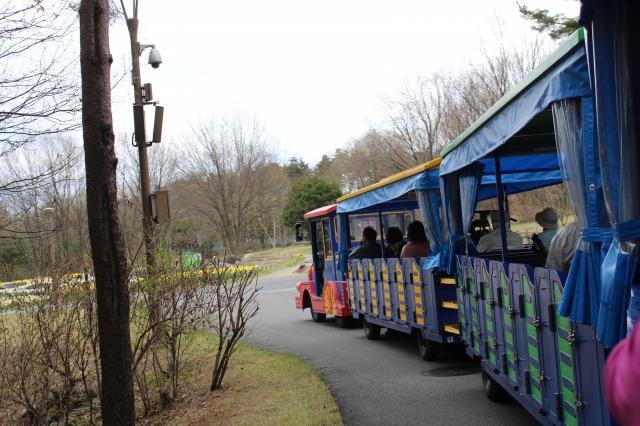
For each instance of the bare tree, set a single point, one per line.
(45, 177)
(38, 94)
(473, 91)
(229, 170)
(107, 241)
(415, 121)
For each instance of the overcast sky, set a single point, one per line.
(313, 73)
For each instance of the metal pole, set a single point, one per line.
(501, 212)
(274, 233)
(52, 240)
(50, 211)
(145, 181)
(381, 230)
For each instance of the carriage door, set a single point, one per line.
(317, 247)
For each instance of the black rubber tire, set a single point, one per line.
(343, 322)
(427, 349)
(492, 389)
(372, 331)
(317, 316)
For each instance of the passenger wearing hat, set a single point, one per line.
(548, 220)
(493, 240)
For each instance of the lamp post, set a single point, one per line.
(49, 211)
(139, 101)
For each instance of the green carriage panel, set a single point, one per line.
(565, 341)
(533, 343)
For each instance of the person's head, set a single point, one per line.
(393, 235)
(369, 234)
(547, 218)
(415, 232)
(495, 220)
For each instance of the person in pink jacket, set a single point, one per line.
(622, 380)
(418, 245)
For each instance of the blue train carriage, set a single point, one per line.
(540, 134)
(405, 295)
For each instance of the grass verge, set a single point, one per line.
(261, 387)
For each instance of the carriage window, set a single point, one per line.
(399, 220)
(336, 230)
(326, 236)
(407, 221)
(318, 229)
(358, 223)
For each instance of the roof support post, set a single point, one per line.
(381, 230)
(501, 209)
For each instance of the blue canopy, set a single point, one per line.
(520, 173)
(384, 193)
(564, 75)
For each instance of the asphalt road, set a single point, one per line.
(378, 382)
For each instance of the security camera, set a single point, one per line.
(154, 58)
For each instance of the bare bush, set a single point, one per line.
(236, 297)
(184, 304)
(48, 345)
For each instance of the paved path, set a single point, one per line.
(378, 382)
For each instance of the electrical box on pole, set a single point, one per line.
(160, 207)
(157, 124)
(139, 125)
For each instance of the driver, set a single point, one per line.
(492, 241)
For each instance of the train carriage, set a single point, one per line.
(395, 293)
(540, 134)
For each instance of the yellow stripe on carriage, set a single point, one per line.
(450, 305)
(452, 328)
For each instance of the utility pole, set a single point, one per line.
(145, 181)
(50, 211)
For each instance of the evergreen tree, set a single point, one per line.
(306, 195)
(296, 168)
(557, 26)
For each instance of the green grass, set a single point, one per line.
(284, 251)
(528, 228)
(271, 260)
(261, 387)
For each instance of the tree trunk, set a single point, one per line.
(105, 234)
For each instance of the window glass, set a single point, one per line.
(328, 252)
(318, 228)
(319, 249)
(358, 223)
(399, 220)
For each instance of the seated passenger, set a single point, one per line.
(492, 241)
(548, 220)
(395, 241)
(418, 245)
(369, 248)
(562, 248)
